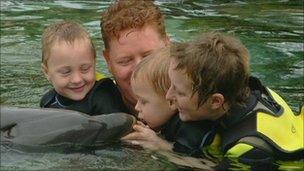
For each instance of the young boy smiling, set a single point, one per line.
(68, 62)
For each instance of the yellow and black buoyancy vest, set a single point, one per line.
(267, 122)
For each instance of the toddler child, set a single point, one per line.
(150, 83)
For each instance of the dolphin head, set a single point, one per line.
(37, 128)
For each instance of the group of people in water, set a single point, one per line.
(195, 97)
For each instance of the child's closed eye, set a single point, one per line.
(85, 68)
(142, 101)
(64, 71)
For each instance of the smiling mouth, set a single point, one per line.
(78, 89)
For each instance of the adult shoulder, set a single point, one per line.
(106, 98)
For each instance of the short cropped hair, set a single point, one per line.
(130, 14)
(216, 63)
(154, 70)
(66, 31)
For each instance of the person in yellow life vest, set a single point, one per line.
(210, 80)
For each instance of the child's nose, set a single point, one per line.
(137, 107)
(76, 77)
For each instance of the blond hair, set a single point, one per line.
(216, 63)
(66, 31)
(154, 70)
(130, 14)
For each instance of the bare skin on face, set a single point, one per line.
(180, 91)
(71, 69)
(126, 52)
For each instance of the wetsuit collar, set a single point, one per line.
(63, 101)
(238, 113)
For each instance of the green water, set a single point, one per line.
(272, 31)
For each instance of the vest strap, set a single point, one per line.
(246, 144)
(238, 150)
(257, 142)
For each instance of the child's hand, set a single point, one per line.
(147, 138)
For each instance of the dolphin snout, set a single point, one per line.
(117, 125)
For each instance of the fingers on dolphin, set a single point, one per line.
(51, 127)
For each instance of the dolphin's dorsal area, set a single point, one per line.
(38, 128)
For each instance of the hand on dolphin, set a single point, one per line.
(37, 127)
(147, 138)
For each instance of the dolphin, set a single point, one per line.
(38, 128)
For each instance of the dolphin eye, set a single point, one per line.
(7, 134)
(7, 130)
(7, 127)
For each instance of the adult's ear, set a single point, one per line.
(107, 59)
(44, 69)
(216, 101)
(105, 54)
(167, 40)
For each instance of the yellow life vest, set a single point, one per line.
(284, 131)
(99, 76)
(270, 125)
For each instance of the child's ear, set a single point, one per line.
(44, 69)
(216, 101)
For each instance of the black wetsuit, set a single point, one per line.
(238, 127)
(103, 98)
(186, 136)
